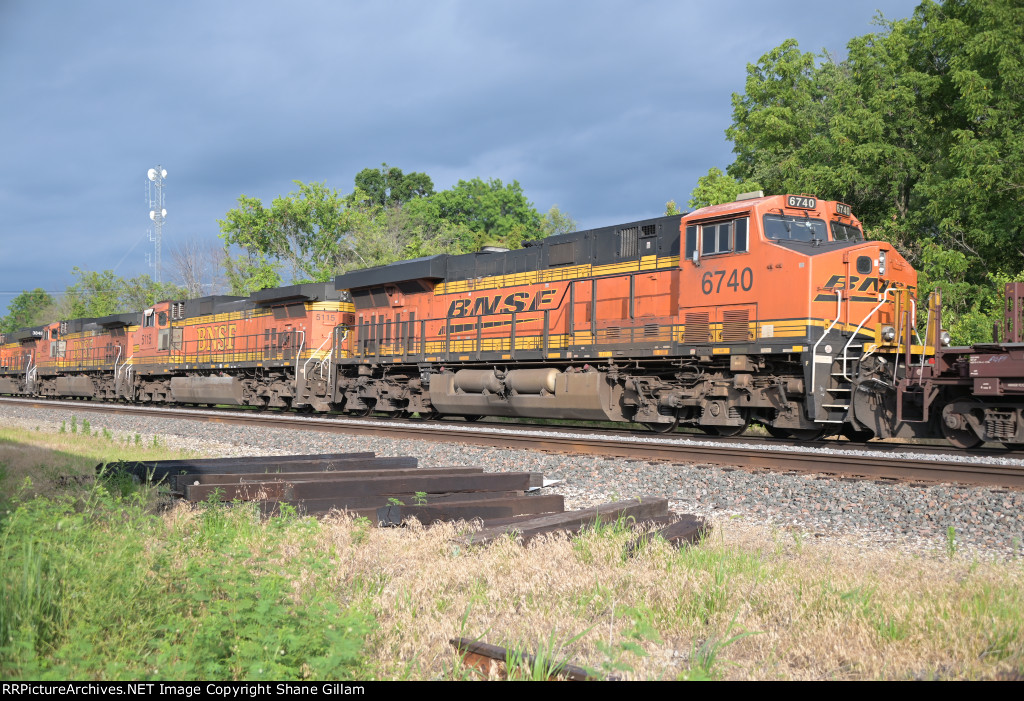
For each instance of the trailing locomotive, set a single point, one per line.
(255, 351)
(774, 310)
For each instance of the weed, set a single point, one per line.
(63, 427)
(393, 501)
(74, 424)
(546, 664)
(704, 658)
(951, 542)
(85, 427)
(419, 498)
(138, 439)
(616, 654)
(360, 530)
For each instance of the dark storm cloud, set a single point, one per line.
(606, 108)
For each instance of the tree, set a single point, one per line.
(308, 230)
(779, 122)
(96, 294)
(919, 129)
(389, 186)
(557, 222)
(26, 310)
(198, 266)
(315, 233)
(717, 188)
(490, 212)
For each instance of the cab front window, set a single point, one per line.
(846, 232)
(787, 228)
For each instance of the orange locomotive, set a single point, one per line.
(767, 309)
(270, 349)
(17, 360)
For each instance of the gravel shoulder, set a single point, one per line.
(866, 515)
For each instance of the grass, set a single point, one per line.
(97, 585)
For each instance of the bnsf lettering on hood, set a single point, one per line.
(503, 304)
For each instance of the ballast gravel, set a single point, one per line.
(986, 523)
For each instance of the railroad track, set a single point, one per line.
(914, 463)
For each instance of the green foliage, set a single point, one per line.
(315, 233)
(96, 294)
(705, 656)
(489, 212)
(717, 188)
(102, 589)
(308, 230)
(919, 128)
(390, 186)
(26, 310)
(557, 222)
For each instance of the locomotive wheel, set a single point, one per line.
(776, 432)
(361, 412)
(430, 415)
(398, 414)
(470, 418)
(664, 428)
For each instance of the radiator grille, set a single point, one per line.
(697, 328)
(736, 326)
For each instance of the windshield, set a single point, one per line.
(784, 228)
(845, 232)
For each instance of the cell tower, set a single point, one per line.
(157, 213)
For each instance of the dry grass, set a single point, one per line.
(750, 603)
(38, 463)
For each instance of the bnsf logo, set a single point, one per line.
(867, 284)
(216, 338)
(498, 304)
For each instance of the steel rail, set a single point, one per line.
(749, 455)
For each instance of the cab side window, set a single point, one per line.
(716, 238)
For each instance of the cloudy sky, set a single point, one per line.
(607, 109)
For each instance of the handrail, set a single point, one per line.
(313, 357)
(814, 349)
(298, 357)
(861, 325)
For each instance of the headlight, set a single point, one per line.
(945, 338)
(881, 262)
(888, 334)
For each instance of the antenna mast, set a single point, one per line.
(157, 213)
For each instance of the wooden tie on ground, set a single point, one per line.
(390, 490)
(493, 661)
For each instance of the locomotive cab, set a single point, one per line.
(789, 289)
